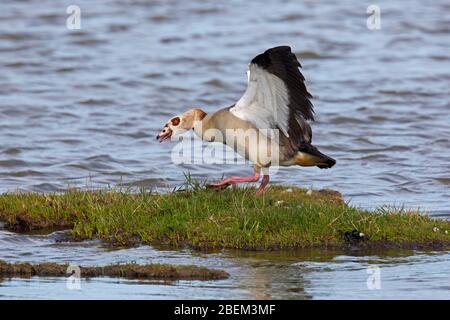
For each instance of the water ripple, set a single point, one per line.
(88, 103)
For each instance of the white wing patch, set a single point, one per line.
(265, 102)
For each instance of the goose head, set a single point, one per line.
(180, 124)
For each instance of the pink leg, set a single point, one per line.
(262, 187)
(253, 178)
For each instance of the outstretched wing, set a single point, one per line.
(276, 95)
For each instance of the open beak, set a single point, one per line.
(165, 134)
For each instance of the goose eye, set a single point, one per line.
(175, 121)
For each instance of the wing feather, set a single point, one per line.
(276, 96)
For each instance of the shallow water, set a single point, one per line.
(304, 274)
(83, 107)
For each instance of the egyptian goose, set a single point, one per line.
(268, 125)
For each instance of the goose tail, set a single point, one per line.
(309, 155)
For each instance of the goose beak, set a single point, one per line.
(165, 134)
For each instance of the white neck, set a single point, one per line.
(198, 128)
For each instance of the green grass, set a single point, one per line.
(234, 218)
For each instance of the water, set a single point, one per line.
(304, 274)
(83, 107)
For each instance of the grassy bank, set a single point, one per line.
(234, 218)
(128, 271)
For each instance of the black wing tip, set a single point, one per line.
(263, 60)
(283, 63)
(283, 48)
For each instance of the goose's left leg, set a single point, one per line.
(264, 183)
(237, 179)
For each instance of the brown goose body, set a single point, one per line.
(223, 126)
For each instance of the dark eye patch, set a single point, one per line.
(175, 121)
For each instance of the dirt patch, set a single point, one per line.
(128, 271)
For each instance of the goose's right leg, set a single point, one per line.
(238, 179)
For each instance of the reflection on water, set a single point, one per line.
(83, 107)
(303, 274)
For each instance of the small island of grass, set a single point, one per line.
(283, 218)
